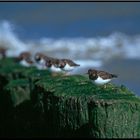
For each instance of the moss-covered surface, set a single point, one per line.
(19, 90)
(73, 106)
(65, 106)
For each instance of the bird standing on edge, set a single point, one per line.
(40, 61)
(99, 77)
(53, 66)
(67, 65)
(25, 59)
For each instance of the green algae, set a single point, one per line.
(71, 106)
(80, 108)
(75, 85)
(19, 91)
(81, 86)
(119, 120)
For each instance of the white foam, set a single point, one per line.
(10, 40)
(89, 63)
(85, 51)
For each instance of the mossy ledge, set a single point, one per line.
(35, 104)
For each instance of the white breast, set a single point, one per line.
(24, 63)
(40, 67)
(100, 81)
(68, 68)
(42, 62)
(54, 69)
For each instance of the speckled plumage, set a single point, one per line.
(100, 77)
(67, 65)
(25, 59)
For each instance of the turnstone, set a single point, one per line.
(53, 65)
(40, 60)
(2, 52)
(67, 65)
(25, 59)
(99, 77)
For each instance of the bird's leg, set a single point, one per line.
(66, 74)
(54, 74)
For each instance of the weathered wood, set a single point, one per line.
(74, 107)
(42, 105)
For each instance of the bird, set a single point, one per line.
(67, 65)
(40, 61)
(53, 65)
(99, 77)
(2, 52)
(24, 59)
(46, 62)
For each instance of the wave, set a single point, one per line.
(87, 51)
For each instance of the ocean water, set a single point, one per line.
(95, 35)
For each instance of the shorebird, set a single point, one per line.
(99, 77)
(53, 66)
(40, 61)
(67, 65)
(25, 59)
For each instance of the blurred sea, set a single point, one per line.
(100, 36)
